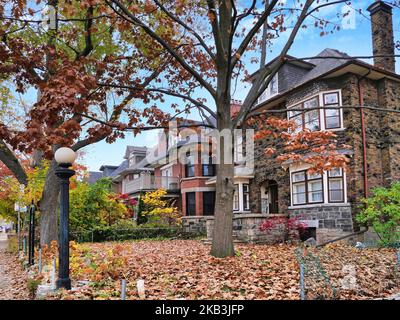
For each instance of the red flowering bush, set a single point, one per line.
(129, 203)
(293, 227)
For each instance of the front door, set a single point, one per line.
(273, 197)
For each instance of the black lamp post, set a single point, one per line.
(65, 157)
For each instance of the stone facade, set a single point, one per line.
(382, 152)
(246, 228)
(327, 216)
(195, 224)
(382, 35)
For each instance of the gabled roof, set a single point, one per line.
(124, 164)
(324, 64)
(332, 63)
(94, 176)
(106, 166)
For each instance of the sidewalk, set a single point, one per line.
(3, 240)
(13, 283)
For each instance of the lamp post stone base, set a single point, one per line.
(63, 283)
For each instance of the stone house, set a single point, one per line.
(328, 203)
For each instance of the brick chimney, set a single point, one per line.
(382, 34)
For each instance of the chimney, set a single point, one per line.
(382, 35)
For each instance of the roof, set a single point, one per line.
(106, 166)
(124, 164)
(324, 65)
(332, 63)
(94, 176)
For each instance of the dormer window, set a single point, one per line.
(271, 90)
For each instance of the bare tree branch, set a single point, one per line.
(250, 35)
(128, 16)
(193, 32)
(259, 84)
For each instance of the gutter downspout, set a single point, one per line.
(363, 130)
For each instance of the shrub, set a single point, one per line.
(94, 205)
(382, 212)
(292, 227)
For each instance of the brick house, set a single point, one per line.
(329, 202)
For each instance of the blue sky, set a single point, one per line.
(354, 41)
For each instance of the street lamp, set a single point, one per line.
(65, 157)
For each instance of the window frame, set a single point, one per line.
(341, 177)
(236, 193)
(326, 107)
(303, 113)
(208, 165)
(305, 182)
(322, 110)
(187, 203)
(213, 202)
(189, 165)
(246, 193)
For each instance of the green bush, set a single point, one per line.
(115, 233)
(382, 212)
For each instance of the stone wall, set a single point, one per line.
(246, 228)
(195, 224)
(329, 216)
(382, 140)
(324, 235)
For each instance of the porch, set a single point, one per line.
(146, 182)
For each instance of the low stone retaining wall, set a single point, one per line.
(328, 216)
(246, 227)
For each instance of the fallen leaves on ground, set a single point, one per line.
(13, 279)
(184, 269)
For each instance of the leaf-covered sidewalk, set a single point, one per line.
(13, 279)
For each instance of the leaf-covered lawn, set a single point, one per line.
(183, 269)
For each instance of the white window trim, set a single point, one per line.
(241, 208)
(320, 96)
(302, 167)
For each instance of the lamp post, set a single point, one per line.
(65, 157)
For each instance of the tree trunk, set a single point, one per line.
(222, 243)
(49, 207)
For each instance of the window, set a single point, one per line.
(236, 198)
(316, 188)
(271, 90)
(307, 188)
(190, 203)
(209, 168)
(306, 119)
(273, 85)
(336, 185)
(208, 203)
(317, 118)
(246, 197)
(189, 167)
(132, 176)
(332, 116)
